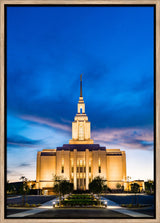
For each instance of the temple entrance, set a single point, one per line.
(81, 183)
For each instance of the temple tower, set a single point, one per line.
(81, 127)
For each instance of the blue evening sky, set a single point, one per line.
(47, 50)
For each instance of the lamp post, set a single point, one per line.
(58, 180)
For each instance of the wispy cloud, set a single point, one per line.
(128, 138)
(46, 122)
(24, 165)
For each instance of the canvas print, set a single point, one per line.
(80, 112)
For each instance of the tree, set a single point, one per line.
(118, 186)
(65, 187)
(24, 189)
(135, 188)
(33, 185)
(149, 186)
(105, 189)
(9, 187)
(97, 185)
(61, 187)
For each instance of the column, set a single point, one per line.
(75, 169)
(87, 168)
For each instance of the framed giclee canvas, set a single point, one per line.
(80, 111)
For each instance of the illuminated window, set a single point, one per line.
(71, 162)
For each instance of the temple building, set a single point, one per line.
(81, 160)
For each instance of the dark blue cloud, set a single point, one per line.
(130, 108)
(20, 141)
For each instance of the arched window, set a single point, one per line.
(80, 110)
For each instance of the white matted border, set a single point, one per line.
(2, 114)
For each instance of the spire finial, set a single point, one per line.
(81, 85)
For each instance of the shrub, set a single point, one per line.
(73, 202)
(27, 205)
(79, 200)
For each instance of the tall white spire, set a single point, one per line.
(81, 126)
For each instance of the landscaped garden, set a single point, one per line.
(82, 200)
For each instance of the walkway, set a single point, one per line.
(43, 207)
(116, 207)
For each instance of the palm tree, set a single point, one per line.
(24, 188)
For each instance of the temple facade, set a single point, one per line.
(81, 160)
